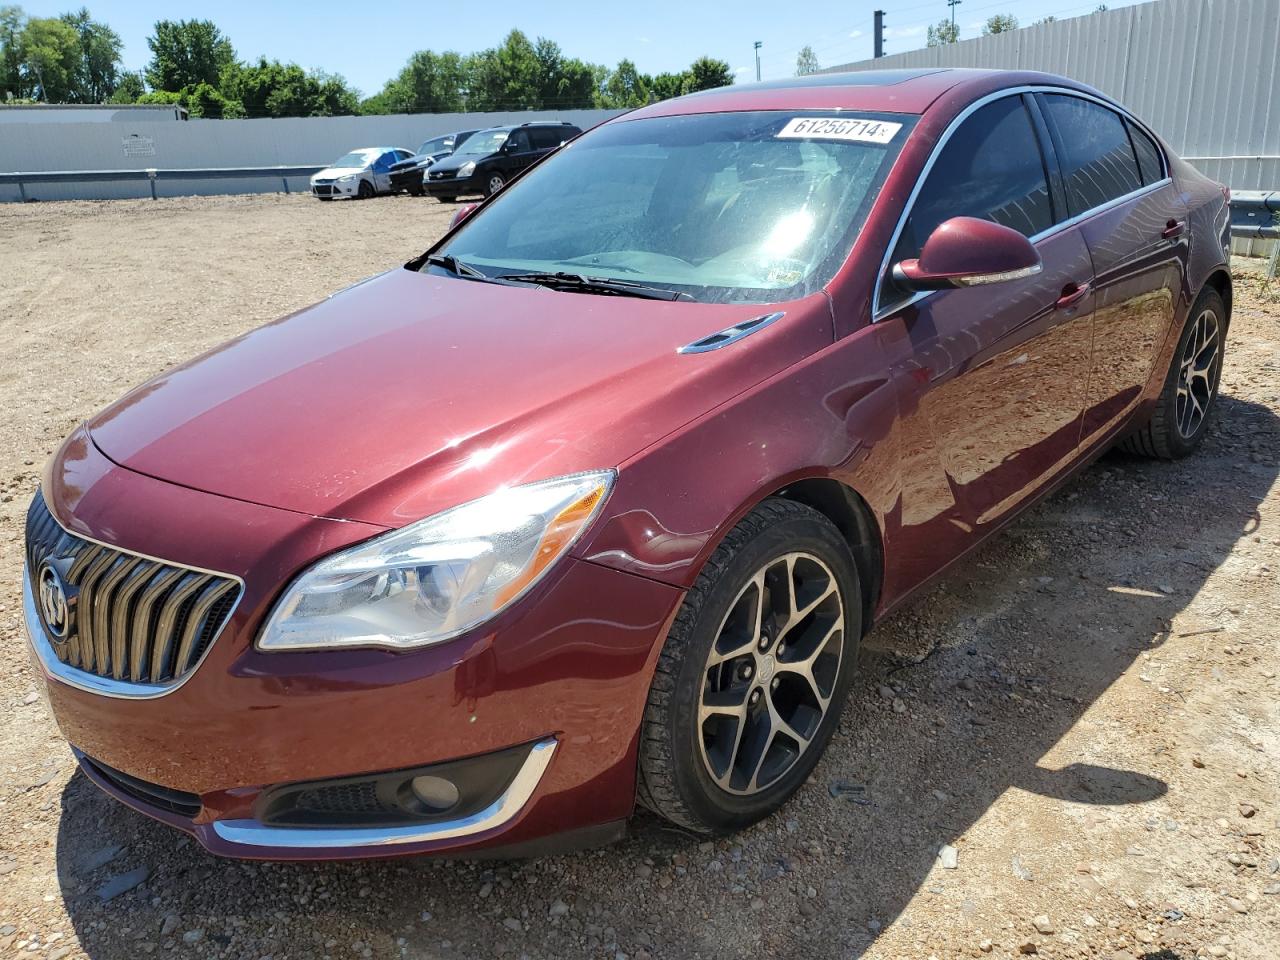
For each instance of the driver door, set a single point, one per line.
(382, 171)
(996, 373)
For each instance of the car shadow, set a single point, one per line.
(961, 699)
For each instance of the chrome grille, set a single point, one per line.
(130, 618)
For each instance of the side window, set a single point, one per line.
(1150, 164)
(544, 138)
(992, 168)
(383, 163)
(1098, 162)
(520, 139)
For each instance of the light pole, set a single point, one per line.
(759, 44)
(953, 4)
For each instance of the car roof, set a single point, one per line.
(882, 91)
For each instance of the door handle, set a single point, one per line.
(1072, 294)
(1173, 229)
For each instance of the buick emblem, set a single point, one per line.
(55, 607)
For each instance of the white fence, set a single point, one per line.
(1203, 73)
(295, 141)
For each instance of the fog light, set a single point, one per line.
(436, 793)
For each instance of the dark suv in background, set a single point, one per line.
(408, 174)
(490, 158)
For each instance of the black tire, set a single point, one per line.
(415, 191)
(365, 190)
(674, 779)
(1169, 433)
(447, 199)
(493, 182)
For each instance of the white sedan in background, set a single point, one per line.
(360, 173)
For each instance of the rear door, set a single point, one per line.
(995, 372)
(1134, 222)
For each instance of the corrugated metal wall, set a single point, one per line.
(295, 141)
(1203, 73)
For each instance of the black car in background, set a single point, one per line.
(490, 158)
(407, 175)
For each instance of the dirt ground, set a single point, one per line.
(1086, 712)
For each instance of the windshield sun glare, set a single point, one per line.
(726, 207)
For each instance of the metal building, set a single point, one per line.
(1202, 73)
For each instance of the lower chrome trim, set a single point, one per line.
(254, 833)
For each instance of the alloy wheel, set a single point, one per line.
(496, 183)
(1198, 372)
(771, 673)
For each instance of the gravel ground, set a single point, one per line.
(1068, 748)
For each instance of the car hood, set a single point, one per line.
(409, 393)
(335, 172)
(416, 160)
(454, 160)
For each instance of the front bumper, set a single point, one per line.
(453, 187)
(410, 179)
(336, 189)
(565, 670)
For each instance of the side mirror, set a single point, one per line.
(965, 252)
(464, 211)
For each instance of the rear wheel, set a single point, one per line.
(1181, 416)
(365, 191)
(754, 672)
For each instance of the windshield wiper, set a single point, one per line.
(447, 261)
(605, 285)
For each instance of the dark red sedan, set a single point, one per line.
(593, 502)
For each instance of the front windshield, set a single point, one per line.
(729, 207)
(434, 145)
(486, 141)
(356, 158)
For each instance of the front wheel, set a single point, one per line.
(754, 672)
(1181, 416)
(365, 191)
(493, 183)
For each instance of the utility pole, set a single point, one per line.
(759, 44)
(879, 34)
(953, 4)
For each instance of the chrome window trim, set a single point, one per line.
(879, 312)
(54, 669)
(254, 833)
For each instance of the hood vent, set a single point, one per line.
(722, 338)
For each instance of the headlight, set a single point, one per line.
(350, 178)
(467, 169)
(439, 577)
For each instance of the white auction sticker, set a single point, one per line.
(839, 128)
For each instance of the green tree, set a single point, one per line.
(1000, 23)
(187, 53)
(50, 52)
(129, 88)
(100, 47)
(807, 61)
(1049, 19)
(942, 33)
(667, 85)
(12, 22)
(564, 83)
(706, 73)
(429, 83)
(274, 89)
(626, 87)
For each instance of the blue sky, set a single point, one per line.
(369, 42)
